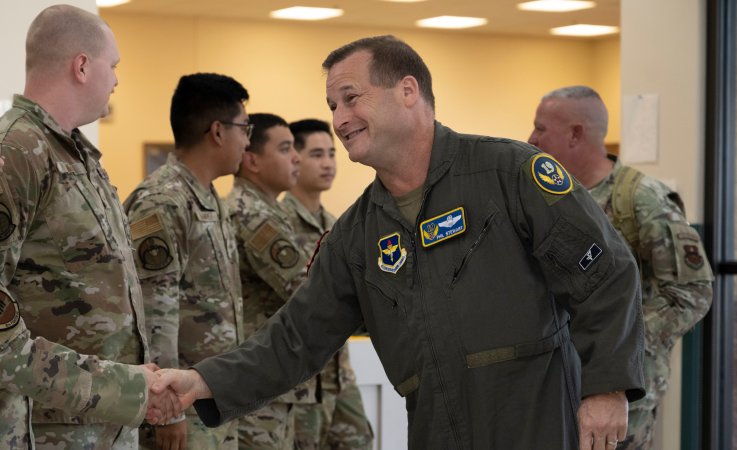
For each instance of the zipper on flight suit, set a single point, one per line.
(413, 242)
(470, 251)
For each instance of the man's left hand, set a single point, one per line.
(602, 421)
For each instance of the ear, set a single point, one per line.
(576, 134)
(81, 67)
(251, 162)
(216, 132)
(410, 90)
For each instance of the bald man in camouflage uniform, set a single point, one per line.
(571, 124)
(338, 421)
(272, 264)
(65, 250)
(185, 248)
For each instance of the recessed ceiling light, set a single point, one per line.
(306, 13)
(454, 22)
(555, 5)
(584, 30)
(110, 3)
(404, 1)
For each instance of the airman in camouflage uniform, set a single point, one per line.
(272, 264)
(185, 248)
(64, 242)
(338, 421)
(676, 277)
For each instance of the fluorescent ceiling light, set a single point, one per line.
(404, 1)
(584, 30)
(454, 22)
(555, 5)
(306, 13)
(110, 3)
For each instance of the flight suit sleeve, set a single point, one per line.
(49, 373)
(158, 231)
(292, 346)
(673, 257)
(590, 272)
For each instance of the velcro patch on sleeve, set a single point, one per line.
(263, 235)
(148, 225)
(9, 312)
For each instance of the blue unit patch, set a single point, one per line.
(588, 259)
(442, 227)
(391, 254)
(550, 175)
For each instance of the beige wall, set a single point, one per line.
(483, 84)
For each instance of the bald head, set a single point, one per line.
(581, 105)
(61, 32)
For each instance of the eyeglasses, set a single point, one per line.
(246, 127)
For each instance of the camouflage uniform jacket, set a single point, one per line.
(69, 272)
(676, 276)
(188, 264)
(308, 228)
(272, 264)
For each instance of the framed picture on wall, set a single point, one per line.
(154, 155)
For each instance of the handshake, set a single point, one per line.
(171, 391)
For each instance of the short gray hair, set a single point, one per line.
(594, 113)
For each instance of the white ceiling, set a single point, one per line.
(503, 15)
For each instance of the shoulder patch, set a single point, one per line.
(9, 312)
(284, 253)
(550, 176)
(154, 253)
(148, 225)
(263, 235)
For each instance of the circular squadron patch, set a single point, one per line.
(550, 175)
(9, 312)
(284, 254)
(154, 253)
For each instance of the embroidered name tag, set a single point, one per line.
(442, 227)
(590, 256)
(391, 254)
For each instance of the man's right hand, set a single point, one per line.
(188, 386)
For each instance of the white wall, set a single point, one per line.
(15, 17)
(663, 52)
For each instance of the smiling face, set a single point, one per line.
(317, 163)
(366, 118)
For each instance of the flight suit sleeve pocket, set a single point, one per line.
(573, 260)
(690, 257)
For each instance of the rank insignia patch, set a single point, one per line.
(550, 175)
(154, 253)
(442, 227)
(391, 255)
(9, 312)
(590, 256)
(694, 259)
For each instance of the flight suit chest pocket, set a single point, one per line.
(382, 293)
(77, 220)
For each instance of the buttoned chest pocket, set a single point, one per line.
(77, 220)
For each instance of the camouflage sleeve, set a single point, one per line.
(158, 230)
(274, 255)
(677, 278)
(56, 376)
